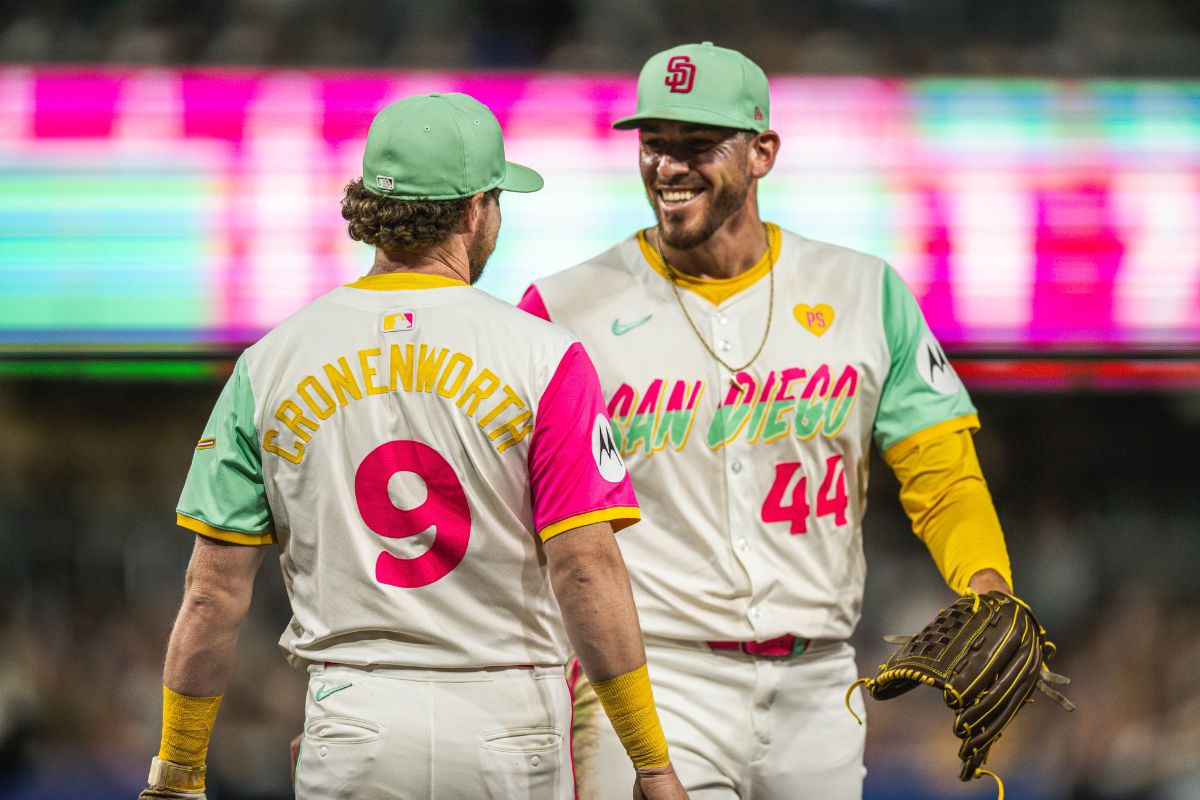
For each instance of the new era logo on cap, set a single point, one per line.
(385, 183)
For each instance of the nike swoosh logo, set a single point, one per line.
(322, 693)
(620, 330)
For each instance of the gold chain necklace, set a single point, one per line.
(679, 298)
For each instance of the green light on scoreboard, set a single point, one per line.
(118, 370)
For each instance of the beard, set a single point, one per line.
(478, 253)
(724, 204)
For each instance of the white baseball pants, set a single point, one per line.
(389, 733)
(739, 727)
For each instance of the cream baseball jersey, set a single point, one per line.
(753, 483)
(406, 439)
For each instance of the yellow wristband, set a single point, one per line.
(629, 702)
(187, 726)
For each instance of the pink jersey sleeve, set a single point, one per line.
(576, 473)
(533, 303)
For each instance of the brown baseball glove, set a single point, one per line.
(987, 653)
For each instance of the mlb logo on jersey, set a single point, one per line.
(403, 321)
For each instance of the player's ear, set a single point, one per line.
(476, 212)
(763, 149)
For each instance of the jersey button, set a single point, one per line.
(755, 612)
(736, 466)
(722, 319)
(535, 760)
(742, 544)
(723, 346)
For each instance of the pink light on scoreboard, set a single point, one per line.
(200, 205)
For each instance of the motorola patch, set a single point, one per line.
(934, 368)
(604, 451)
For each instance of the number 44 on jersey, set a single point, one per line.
(787, 500)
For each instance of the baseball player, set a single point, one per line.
(747, 371)
(438, 472)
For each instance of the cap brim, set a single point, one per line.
(699, 116)
(520, 179)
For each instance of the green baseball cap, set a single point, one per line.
(705, 84)
(440, 147)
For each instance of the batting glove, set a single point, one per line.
(171, 781)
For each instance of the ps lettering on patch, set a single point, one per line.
(681, 74)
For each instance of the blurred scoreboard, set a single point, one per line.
(178, 209)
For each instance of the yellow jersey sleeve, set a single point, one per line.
(944, 494)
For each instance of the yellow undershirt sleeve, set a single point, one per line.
(187, 727)
(944, 494)
(629, 703)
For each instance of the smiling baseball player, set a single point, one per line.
(748, 370)
(438, 471)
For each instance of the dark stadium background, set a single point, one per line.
(1097, 481)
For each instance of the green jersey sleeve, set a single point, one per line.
(224, 496)
(921, 389)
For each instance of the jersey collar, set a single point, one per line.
(390, 281)
(716, 290)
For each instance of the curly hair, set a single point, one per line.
(399, 226)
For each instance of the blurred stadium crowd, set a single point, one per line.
(909, 37)
(1097, 493)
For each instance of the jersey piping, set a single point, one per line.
(233, 537)
(620, 516)
(905, 446)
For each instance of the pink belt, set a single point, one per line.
(780, 647)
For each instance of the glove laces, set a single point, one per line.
(979, 773)
(850, 692)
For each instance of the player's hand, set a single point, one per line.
(659, 783)
(295, 750)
